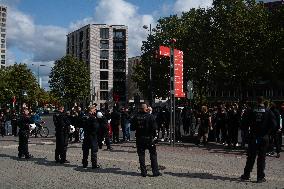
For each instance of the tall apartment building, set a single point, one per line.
(3, 17)
(104, 48)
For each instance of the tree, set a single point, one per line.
(17, 80)
(231, 45)
(70, 80)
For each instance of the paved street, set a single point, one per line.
(185, 166)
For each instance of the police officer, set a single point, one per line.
(90, 138)
(261, 123)
(145, 126)
(24, 131)
(62, 129)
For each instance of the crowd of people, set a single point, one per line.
(260, 127)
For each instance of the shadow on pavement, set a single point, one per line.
(203, 176)
(38, 161)
(124, 151)
(108, 170)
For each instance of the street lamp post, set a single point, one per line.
(150, 70)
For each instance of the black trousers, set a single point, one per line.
(89, 143)
(256, 148)
(14, 128)
(146, 143)
(61, 147)
(115, 133)
(2, 130)
(23, 143)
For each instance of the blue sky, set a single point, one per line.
(36, 29)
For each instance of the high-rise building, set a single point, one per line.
(104, 48)
(3, 17)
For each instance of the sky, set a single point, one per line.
(36, 29)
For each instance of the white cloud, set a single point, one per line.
(44, 42)
(186, 5)
(120, 12)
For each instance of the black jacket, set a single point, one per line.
(144, 124)
(62, 123)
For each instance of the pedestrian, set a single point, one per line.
(220, 124)
(261, 124)
(14, 123)
(103, 132)
(62, 129)
(24, 132)
(115, 122)
(90, 140)
(234, 120)
(145, 126)
(2, 124)
(205, 125)
(274, 135)
(8, 126)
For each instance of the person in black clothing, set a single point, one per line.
(14, 123)
(261, 125)
(62, 129)
(24, 131)
(90, 140)
(2, 124)
(220, 124)
(145, 126)
(234, 120)
(246, 112)
(103, 131)
(274, 135)
(205, 125)
(115, 122)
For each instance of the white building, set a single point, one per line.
(104, 48)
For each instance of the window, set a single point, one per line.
(104, 33)
(104, 95)
(104, 75)
(104, 44)
(104, 64)
(3, 56)
(119, 65)
(81, 46)
(118, 55)
(68, 41)
(3, 19)
(119, 45)
(2, 45)
(4, 9)
(81, 34)
(3, 29)
(104, 54)
(3, 14)
(2, 61)
(119, 76)
(119, 34)
(88, 33)
(3, 35)
(2, 51)
(87, 44)
(104, 85)
(87, 54)
(2, 40)
(3, 25)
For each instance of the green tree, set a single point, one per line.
(70, 80)
(17, 80)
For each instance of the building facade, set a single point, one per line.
(104, 48)
(3, 18)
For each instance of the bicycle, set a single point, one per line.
(41, 130)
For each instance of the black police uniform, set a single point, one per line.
(261, 124)
(24, 131)
(103, 133)
(62, 129)
(90, 141)
(145, 126)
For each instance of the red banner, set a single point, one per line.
(178, 66)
